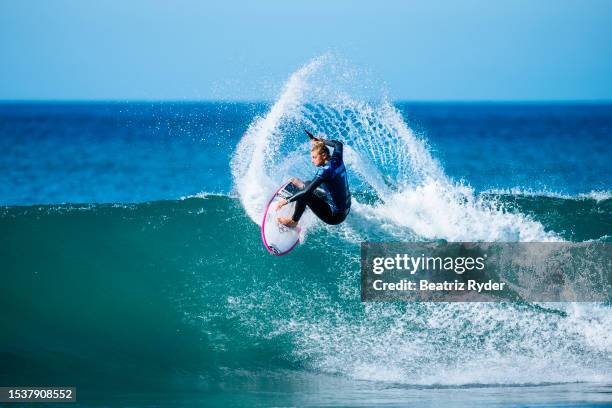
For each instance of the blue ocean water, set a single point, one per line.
(135, 152)
(118, 152)
(131, 264)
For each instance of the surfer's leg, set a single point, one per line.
(319, 207)
(316, 204)
(322, 210)
(300, 206)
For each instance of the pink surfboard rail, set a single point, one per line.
(263, 226)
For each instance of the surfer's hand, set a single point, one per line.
(298, 183)
(282, 202)
(310, 135)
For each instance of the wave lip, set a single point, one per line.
(517, 191)
(412, 198)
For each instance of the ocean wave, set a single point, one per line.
(414, 199)
(402, 193)
(517, 191)
(205, 194)
(193, 275)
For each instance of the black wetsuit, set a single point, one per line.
(333, 203)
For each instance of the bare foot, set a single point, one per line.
(287, 222)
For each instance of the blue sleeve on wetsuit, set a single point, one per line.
(312, 186)
(337, 145)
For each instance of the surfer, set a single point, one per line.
(328, 194)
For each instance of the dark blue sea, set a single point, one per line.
(135, 152)
(131, 264)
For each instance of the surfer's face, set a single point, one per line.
(317, 159)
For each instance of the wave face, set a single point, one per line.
(181, 293)
(184, 292)
(402, 193)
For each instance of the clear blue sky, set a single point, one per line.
(191, 50)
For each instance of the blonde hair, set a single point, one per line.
(320, 148)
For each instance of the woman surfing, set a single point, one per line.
(327, 194)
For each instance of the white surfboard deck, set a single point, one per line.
(278, 239)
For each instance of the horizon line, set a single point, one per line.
(263, 101)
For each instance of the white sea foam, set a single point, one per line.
(414, 199)
(401, 192)
(203, 194)
(435, 344)
(517, 191)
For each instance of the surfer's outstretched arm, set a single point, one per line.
(336, 145)
(312, 186)
(298, 183)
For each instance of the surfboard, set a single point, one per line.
(277, 238)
